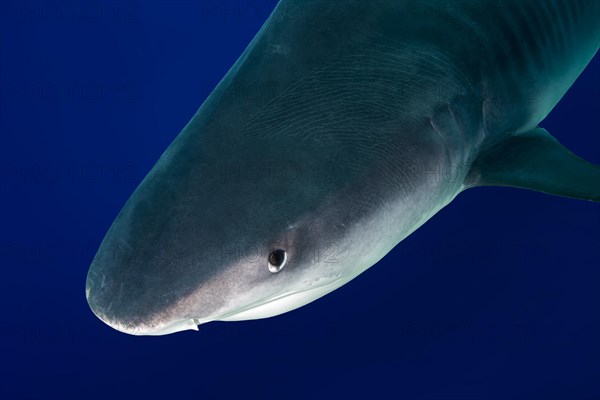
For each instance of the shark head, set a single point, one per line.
(243, 230)
(229, 238)
(284, 186)
(240, 218)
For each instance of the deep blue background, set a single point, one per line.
(498, 296)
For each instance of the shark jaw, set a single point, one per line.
(270, 308)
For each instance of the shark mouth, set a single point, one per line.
(270, 308)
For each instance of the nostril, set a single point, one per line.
(277, 260)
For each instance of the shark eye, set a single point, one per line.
(277, 260)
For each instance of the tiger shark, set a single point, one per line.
(342, 128)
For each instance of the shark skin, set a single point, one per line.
(370, 118)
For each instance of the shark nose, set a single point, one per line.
(98, 295)
(137, 328)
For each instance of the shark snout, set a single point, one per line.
(128, 306)
(106, 311)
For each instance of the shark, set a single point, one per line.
(342, 128)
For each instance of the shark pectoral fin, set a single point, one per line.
(535, 160)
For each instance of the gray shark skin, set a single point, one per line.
(370, 117)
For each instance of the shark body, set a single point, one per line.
(342, 128)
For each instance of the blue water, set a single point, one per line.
(498, 296)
